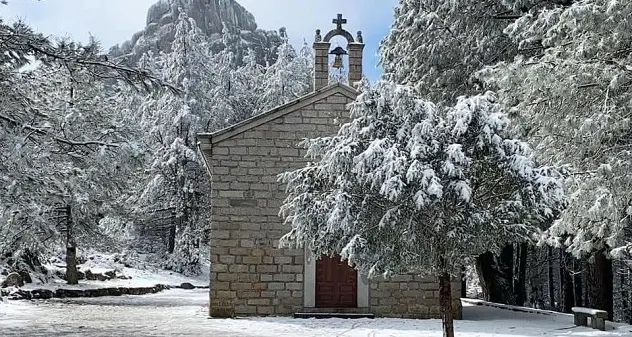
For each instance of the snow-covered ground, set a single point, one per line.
(145, 275)
(184, 313)
(139, 278)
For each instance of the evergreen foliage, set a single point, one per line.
(408, 187)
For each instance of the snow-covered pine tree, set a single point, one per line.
(65, 143)
(227, 86)
(58, 137)
(305, 65)
(436, 46)
(175, 177)
(338, 76)
(571, 97)
(240, 91)
(409, 187)
(247, 85)
(288, 78)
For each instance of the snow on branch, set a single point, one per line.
(410, 186)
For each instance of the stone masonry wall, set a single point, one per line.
(410, 296)
(249, 275)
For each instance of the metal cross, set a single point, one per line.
(339, 21)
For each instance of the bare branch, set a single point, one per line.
(587, 85)
(506, 17)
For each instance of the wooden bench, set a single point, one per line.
(597, 317)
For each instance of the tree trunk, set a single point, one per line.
(625, 304)
(172, 239)
(72, 276)
(625, 275)
(495, 282)
(520, 288)
(600, 284)
(445, 301)
(507, 269)
(463, 284)
(551, 278)
(569, 298)
(628, 298)
(577, 281)
(566, 278)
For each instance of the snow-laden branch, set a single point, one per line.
(44, 132)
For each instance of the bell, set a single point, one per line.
(338, 52)
(337, 62)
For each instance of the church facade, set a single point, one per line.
(250, 275)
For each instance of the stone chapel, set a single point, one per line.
(249, 274)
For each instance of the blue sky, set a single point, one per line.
(114, 21)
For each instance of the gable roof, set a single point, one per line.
(208, 139)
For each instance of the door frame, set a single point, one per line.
(309, 284)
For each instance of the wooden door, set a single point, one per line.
(336, 283)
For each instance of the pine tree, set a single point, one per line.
(305, 65)
(570, 92)
(58, 136)
(288, 78)
(175, 177)
(228, 86)
(410, 187)
(436, 46)
(66, 144)
(248, 81)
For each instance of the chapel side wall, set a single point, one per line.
(411, 296)
(249, 275)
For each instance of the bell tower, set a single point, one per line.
(322, 46)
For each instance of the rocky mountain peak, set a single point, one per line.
(211, 16)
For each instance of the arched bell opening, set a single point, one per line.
(339, 61)
(338, 56)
